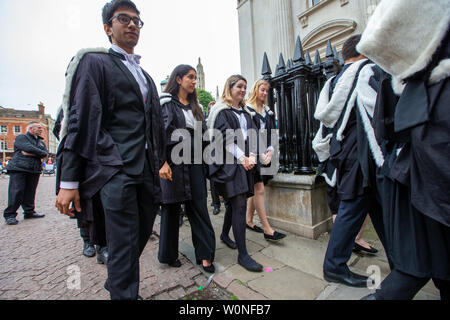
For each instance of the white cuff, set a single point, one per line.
(70, 185)
(269, 149)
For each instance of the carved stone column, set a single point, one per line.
(283, 27)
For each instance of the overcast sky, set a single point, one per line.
(38, 39)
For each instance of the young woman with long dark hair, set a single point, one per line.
(234, 180)
(184, 183)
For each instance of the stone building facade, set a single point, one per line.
(272, 26)
(14, 122)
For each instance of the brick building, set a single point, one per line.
(14, 122)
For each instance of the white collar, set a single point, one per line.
(130, 57)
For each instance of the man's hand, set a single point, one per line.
(65, 198)
(27, 154)
(165, 172)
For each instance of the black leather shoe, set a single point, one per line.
(175, 264)
(230, 243)
(88, 250)
(357, 248)
(350, 279)
(275, 237)
(371, 296)
(251, 265)
(11, 221)
(210, 268)
(102, 255)
(255, 228)
(34, 215)
(216, 211)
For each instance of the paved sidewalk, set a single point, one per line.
(39, 259)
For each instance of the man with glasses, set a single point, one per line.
(24, 170)
(112, 146)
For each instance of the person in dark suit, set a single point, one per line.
(185, 182)
(113, 146)
(234, 175)
(350, 145)
(24, 170)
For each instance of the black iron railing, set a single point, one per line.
(294, 91)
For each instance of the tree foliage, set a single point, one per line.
(205, 98)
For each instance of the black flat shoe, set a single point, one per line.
(175, 264)
(210, 268)
(275, 237)
(216, 211)
(357, 248)
(350, 279)
(255, 228)
(250, 264)
(230, 243)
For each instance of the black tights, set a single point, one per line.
(235, 215)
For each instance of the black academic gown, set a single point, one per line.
(232, 179)
(179, 189)
(269, 122)
(88, 151)
(415, 133)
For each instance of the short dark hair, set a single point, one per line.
(349, 48)
(112, 6)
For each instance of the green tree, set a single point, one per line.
(205, 98)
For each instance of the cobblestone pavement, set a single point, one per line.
(39, 260)
(39, 256)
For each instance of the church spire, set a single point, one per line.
(200, 75)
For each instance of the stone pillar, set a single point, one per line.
(283, 28)
(297, 204)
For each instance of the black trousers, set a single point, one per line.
(235, 216)
(21, 192)
(203, 237)
(129, 216)
(350, 218)
(214, 195)
(401, 286)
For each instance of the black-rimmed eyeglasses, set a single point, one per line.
(125, 19)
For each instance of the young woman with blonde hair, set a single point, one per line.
(234, 181)
(264, 121)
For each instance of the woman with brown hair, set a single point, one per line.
(234, 179)
(185, 182)
(264, 121)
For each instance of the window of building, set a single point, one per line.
(17, 129)
(314, 2)
(3, 146)
(4, 129)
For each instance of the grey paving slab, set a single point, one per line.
(288, 284)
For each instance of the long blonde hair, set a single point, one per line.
(254, 93)
(231, 82)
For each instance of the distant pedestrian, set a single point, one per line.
(24, 170)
